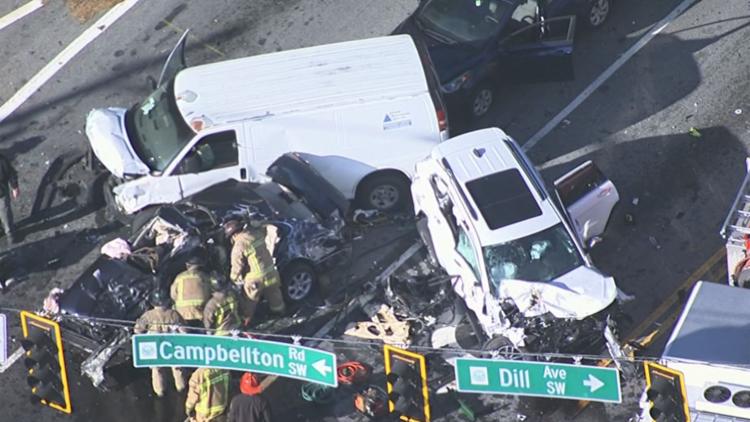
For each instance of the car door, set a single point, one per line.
(210, 159)
(175, 61)
(145, 191)
(589, 198)
(466, 259)
(538, 52)
(430, 193)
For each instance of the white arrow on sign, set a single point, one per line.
(593, 383)
(324, 369)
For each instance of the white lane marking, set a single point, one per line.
(64, 57)
(574, 155)
(11, 359)
(20, 12)
(607, 73)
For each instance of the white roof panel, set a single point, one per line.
(303, 79)
(466, 164)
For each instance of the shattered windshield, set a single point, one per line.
(540, 257)
(156, 128)
(463, 21)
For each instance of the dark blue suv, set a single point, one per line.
(474, 44)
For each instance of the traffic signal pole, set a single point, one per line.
(45, 361)
(406, 384)
(665, 391)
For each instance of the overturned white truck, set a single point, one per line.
(518, 253)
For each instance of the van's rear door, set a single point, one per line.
(175, 61)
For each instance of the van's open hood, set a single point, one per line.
(577, 294)
(105, 128)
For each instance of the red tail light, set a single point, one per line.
(442, 120)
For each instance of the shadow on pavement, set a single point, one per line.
(677, 189)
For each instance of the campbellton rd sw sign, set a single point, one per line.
(539, 379)
(241, 354)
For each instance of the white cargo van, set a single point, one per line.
(361, 111)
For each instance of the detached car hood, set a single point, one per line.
(105, 128)
(577, 294)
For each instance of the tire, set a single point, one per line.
(481, 100)
(298, 281)
(597, 13)
(111, 210)
(385, 192)
(500, 347)
(95, 192)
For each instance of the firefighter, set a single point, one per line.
(250, 406)
(253, 266)
(161, 319)
(191, 290)
(208, 393)
(221, 310)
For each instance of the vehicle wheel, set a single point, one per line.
(387, 192)
(111, 210)
(95, 191)
(500, 347)
(298, 281)
(481, 100)
(597, 13)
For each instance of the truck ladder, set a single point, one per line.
(737, 225)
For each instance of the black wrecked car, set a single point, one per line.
(311, 229)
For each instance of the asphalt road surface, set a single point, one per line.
(57, 64)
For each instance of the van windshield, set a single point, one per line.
(156, 129)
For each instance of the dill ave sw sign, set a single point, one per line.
(540, 379)
(241, 354)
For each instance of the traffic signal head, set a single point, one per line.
(406, 385)
(665, 391)
(45, 362)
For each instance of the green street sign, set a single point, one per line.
(539, 379)
(241, 354)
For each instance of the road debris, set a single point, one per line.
(695, 133)
(384, 326)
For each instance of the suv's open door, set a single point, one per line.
(539, 52)
(175, 61)
(589, 198)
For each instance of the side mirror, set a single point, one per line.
(593, 242)
(151, 82)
